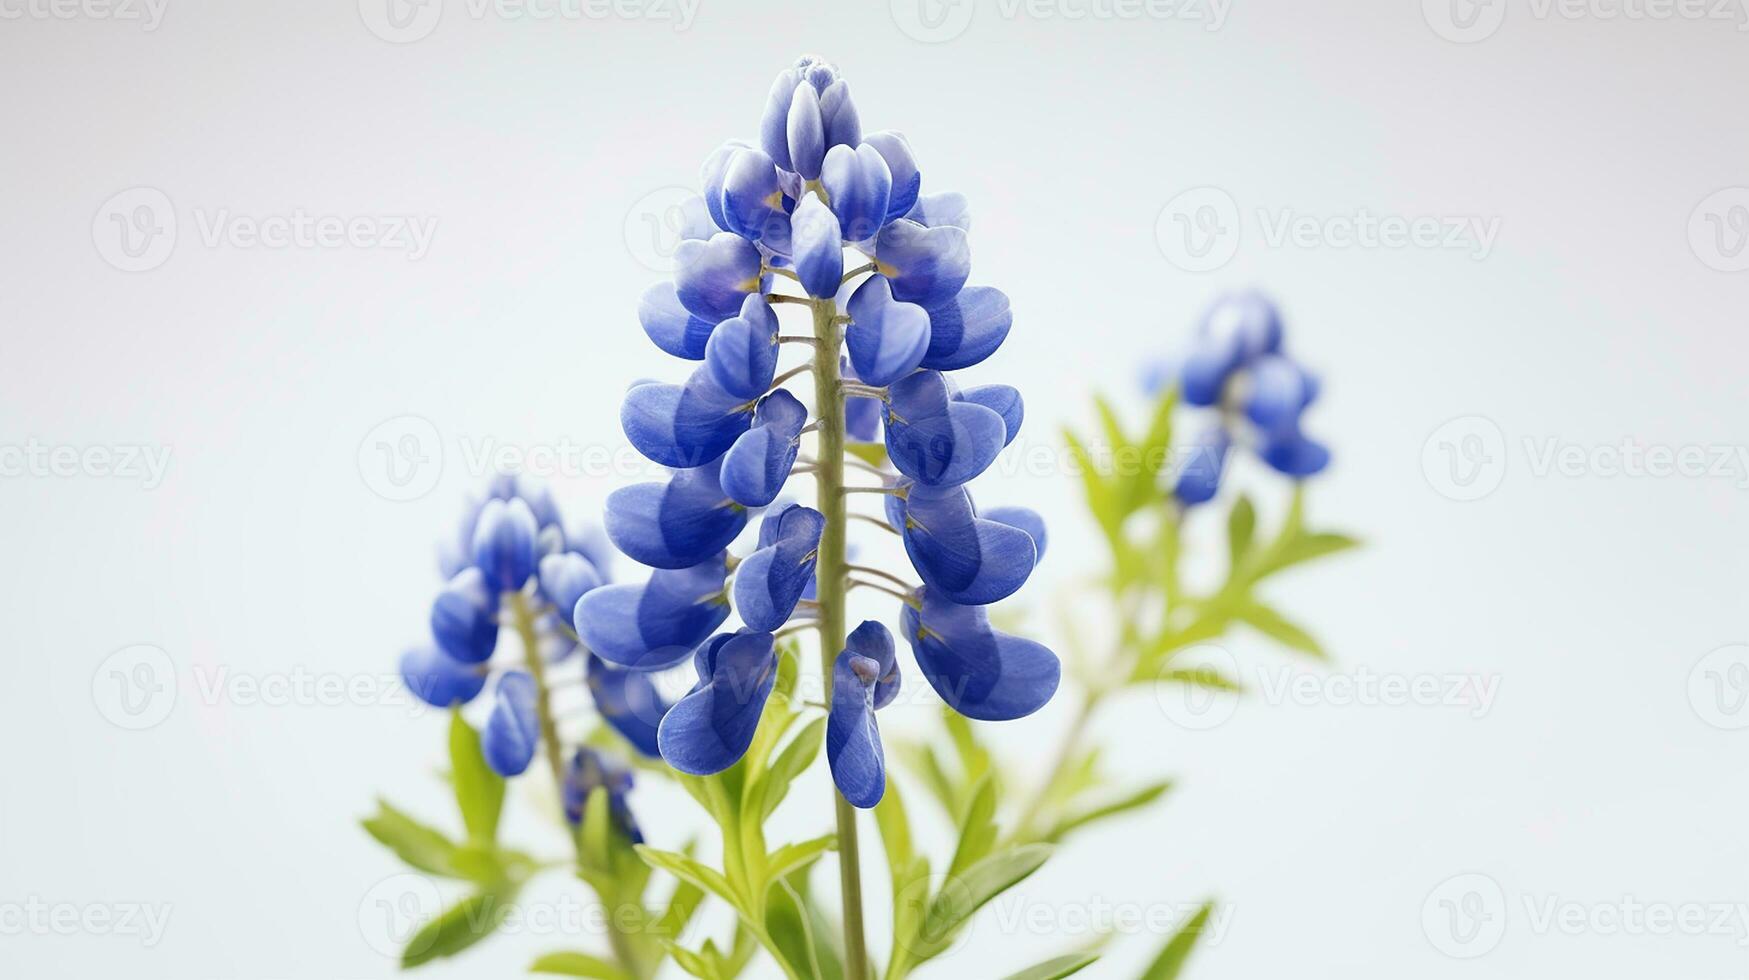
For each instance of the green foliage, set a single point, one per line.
(1055, 969)
(1171, 959)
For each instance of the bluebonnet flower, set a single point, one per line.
(813, 212)
(1236, 368)
(511, 561)
(590, 770)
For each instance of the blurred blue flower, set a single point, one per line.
(590, 770)
(513, 728)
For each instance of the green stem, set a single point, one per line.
(549, 736)
(1067, 748)
(829, 481)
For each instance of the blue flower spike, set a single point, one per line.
(865, 678)
(656, 624)
(769, 582)
(513, 729)
(757, 465)
(710, 729)
(590, 770)
(504, 543)
(675, 524)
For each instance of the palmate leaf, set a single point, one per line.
(1057, 968)
(1171, 959)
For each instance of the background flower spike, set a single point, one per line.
(628, 700)
(464, 617)
(512, 730)
(438, 679)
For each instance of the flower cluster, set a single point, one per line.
(1237, 368)
(773, 227)
(512, 560)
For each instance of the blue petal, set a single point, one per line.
(886, 338)
(464, 617)
(1247, 318)
(1200, 477)
(656, 624)
(756, 466)
(752, 200)
(967, 559)
(512, 730)
(807, 132)
(1027, 520)
(742, 353)
(935, 439)
(838, 115)
(1004, 400)
(684, 425)
(715, 170)
(819, 250)
(967, 328)
(770, 581)
(564, 577)
(629, 701)
(676, 524)
(670, 326)
(1292, 454)
(774, 123)
(902, 164)
(853, 738)
(1206, 368)
(873, 641)
(859, 185)
(979, 672)
(589, 771)
(1278, 392)
(504, 543)
(438, 679)
(927, 265)
(713, 277)
(710, 729)
(938, 210)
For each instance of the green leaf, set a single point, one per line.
(460, 926)
(974, 758)
(1062, 966)
(693, 963)
(479, 791)
(1273, 625)
(1303, 548)
(579, 965)
(1241, 526)
(791, 931)
(688, 869)
(1099, 493)
(1171, 959)
(977, 827)
(1139, 798)
(791, 857)
(872, 453)
(421, 846)
(964, 894)
(794, 760)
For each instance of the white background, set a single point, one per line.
(541, 147)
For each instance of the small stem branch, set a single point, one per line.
(796, 371)
(909, 599)
(853, 273)
(886, 491)
(1067, 748)
(787, 339)
(785, 273)
(850, 389)
(549, 731)
(781, 298)
(865, 466)
(877, 522)
(889, 576)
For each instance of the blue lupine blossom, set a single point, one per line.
(1236, 368)
(512, 563)
(813, 212)
(590, 770)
